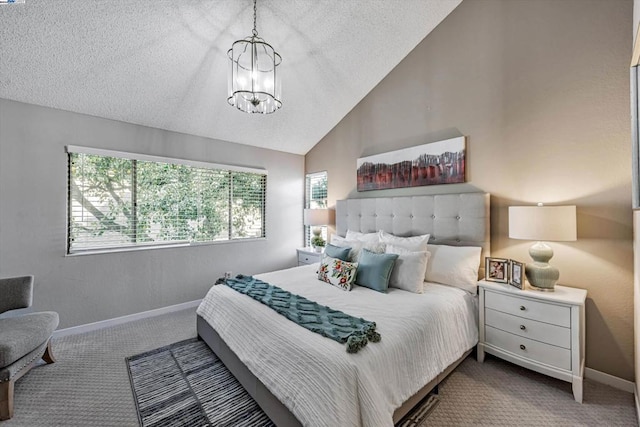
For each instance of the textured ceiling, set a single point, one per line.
(163, 63)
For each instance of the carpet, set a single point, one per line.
(185, 384)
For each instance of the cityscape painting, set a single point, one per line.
(441, 162)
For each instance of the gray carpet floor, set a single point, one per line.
(89, 386)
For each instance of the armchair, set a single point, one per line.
(24, 339)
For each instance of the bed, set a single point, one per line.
(301, 378)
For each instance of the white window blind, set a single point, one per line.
(315, 198)
(120, 202)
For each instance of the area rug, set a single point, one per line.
(185, 384)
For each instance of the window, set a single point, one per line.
(124, 200)
(315, 198)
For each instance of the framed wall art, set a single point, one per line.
(441, 162)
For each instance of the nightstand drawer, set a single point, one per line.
(308, 259)
(524, 347)
(539, 331)
(527, 308)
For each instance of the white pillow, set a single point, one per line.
(409, 270)
(356, 246)
(363, 237)
(454, 266)
(336, 240)
(414, 243)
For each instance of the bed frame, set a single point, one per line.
(450, 219)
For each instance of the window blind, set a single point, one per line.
(120, 202)
(315, 198)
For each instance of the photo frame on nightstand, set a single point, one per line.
(516, 274)
(496, 270)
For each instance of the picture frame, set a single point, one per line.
(496, 270)
(516, 274)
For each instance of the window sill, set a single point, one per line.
(162, 246)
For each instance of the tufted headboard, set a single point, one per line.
(451, 219)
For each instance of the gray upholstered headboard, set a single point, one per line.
(451, 219)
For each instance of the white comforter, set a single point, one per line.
(315, 377)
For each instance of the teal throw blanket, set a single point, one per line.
(334, 324)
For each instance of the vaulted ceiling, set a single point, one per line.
(163, 63)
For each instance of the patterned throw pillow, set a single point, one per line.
(341, 274)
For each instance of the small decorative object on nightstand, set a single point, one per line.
(516, 274)
(308, 256)
(496, 270)
(543, 332)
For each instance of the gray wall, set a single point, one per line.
(541, 89)
(89, 288)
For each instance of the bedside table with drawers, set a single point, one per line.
(541, 331)
(308, 256)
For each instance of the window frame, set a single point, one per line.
(72, 149)
(307, 204)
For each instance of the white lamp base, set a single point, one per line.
(541, 275)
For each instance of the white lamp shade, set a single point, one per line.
(543, 223)
(315, 217)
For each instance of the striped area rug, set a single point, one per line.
(185, 384)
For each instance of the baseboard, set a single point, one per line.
(610, 380)
(637, 404)
(89, 327)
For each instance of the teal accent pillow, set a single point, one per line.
(374, 270)
(337, 252)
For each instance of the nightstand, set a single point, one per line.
(541, 331)
(308, 256)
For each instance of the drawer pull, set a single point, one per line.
(522, 327)
(523, 308)
(522, 347)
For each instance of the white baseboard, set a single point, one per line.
(610, 380)
(89, 327)
(637, 404)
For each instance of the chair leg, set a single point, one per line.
(48, 354)
(6, 400)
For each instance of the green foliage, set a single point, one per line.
(145, 202)
(317, 241)
(319, 190)
(318, 193)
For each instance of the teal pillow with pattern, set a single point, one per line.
(337, 272)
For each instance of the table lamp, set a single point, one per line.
(542, 223)
(317, 218)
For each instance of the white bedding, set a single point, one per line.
(314, 376)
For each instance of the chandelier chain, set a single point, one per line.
(254, 83)
(255, 11)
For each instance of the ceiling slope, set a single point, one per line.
(163, 63)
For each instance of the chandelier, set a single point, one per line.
(254, 81)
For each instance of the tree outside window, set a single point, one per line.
(117, 202)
